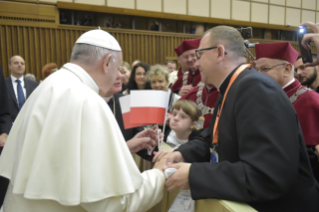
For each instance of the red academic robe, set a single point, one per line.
(307, 108)
(208, 99)
(193, 79)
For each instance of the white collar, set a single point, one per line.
(289, 83)
(107, 99)
(83, 75)
(14, 79)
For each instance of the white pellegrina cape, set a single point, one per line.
(65, 152)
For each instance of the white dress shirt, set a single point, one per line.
(15, 84)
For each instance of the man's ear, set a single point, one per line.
(288, 69)
(221, 52)
(106, 63)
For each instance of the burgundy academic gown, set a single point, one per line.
(208, 99)
(193, 79)
(307, 108)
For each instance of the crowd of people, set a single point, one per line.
(238, 131)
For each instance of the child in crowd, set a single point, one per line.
(182, 124)
(158, 77)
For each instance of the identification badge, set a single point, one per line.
(200, 123)
(214, 155)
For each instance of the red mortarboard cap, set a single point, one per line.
(280, 50)
(187, 45)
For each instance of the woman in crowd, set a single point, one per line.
(138, 79)
(126, 73)
(158, 77)
(49, 69)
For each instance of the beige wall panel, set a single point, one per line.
(317, 17)
(259, 13)
(55, 1)
(308, 16)
(240, 10)
(265, 1)
(294, 3)
(93, 2)
(129, 4)
(150, 5)
(175, 6)
(309, 4)
(280, 2)
(293, 16)
(276, 15)
(317, 4)
(220, 9)
(198, 7)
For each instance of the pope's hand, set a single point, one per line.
(185, 89)
(160, 154)
(174, 157)
(143, 140)
(161, 165)
(180, 178)
(3, 139)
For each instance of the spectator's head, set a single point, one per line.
(135, 62)
(49, 69)
(126, 71)
(30, 77)
(100, 55)
(17, 66)
(186, 54)
(171, 66)
(306, 75)
(220, 51)
(276, 60)
(138, 79)
(184, 116)
(158, 77)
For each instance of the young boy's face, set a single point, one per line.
(180, 121)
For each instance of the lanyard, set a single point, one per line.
(233, 78)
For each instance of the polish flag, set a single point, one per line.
(126, 112)
(148, 106)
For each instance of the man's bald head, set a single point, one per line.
(17, 66)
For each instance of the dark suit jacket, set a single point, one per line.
(127, 133)
(13, 103)
(262, 155)
(5, 119)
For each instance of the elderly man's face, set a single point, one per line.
(266, 66)
(115, 68)
(305, 75)
(182, 63)
(190, 58)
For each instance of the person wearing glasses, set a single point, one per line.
(138, 79)
(188, 75)
(254, 142)
(275, 60)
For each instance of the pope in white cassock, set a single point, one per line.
(65, 151)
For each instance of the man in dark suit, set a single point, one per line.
(19, 88)
(5, 126)
(258, 144)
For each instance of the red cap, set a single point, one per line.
(187, 45)
(280, 50)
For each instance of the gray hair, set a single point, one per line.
(30, 77)
(90, 55)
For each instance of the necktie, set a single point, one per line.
(21, 98)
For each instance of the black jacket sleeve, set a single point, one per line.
(5, 119)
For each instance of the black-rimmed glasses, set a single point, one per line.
(198, 54)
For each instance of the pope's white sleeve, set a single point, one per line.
(149, 194)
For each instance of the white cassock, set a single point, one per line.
(66, 153)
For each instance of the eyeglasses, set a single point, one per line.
(121, 70)
(264, 69)
(198, 54)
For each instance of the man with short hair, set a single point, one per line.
(188, 75)
(308, 76)
(276, 60)
(171, 67)
(19, 88)
(65, 151)
(254, 141)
